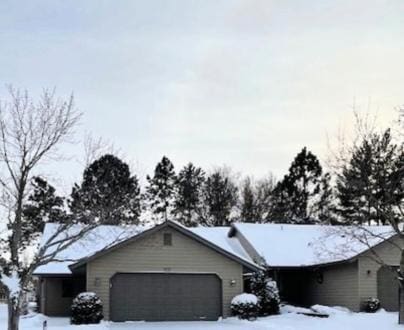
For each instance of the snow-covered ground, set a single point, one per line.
(339, 319)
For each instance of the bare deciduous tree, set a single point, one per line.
(30, 134)
(95, 147)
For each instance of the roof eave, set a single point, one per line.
(52, 274)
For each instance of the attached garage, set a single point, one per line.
(165, 297)
(165, 273)
(388, 288)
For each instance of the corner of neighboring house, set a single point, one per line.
(376, 278)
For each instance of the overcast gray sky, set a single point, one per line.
(242, 83)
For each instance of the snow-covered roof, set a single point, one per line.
(219, 236)
(285, 245)
(92, 242)
(103, 237)
(281, 245)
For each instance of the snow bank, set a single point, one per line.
(329, 310)
(245, 298)
(34, 320)
(286, 309)
(345, 321)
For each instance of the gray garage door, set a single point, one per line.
(165, 297)
(387, 289)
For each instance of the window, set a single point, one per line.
(67, 288)
(168, 239)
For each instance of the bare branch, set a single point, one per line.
(94, 148)
(30, 132)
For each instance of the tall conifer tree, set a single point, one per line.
(220, 199)
(188, 195)
(297, 197)
(371, 185)
(249, 202)
(43, 205)
(160, 190)
(108, 193)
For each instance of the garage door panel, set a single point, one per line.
(165, 297)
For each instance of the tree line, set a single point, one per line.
(366, 189)
(366, 186)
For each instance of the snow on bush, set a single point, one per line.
(372, 305)
(245, 298)
(267, 292)
(245, 306)
(86, 309)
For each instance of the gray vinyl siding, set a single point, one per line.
(339, 286)
(148, 254)
(370, 262)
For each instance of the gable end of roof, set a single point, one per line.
(157, 228)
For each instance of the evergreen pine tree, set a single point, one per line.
(325, 208)
(281, 199)
(43, 205)
(265, 288)
(296, 197)
(220, 198)
(264, 198)
(160, 190)
(188, 195)
(108, 193)
(249, 201)
(371, 185)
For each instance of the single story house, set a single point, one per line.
(170, 272)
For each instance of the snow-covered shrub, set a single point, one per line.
(86, 309)
(245, 306)
(267, 292)
(372, 305)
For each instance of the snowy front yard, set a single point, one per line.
(289, 321)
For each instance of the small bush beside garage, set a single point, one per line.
(86, 309)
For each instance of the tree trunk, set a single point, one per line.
(401, 293)
(13, 313)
